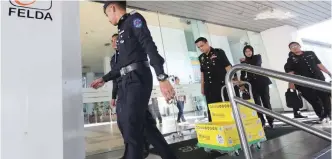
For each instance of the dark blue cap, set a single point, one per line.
(107, 3)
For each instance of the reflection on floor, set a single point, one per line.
(296, 145)
(108, 138)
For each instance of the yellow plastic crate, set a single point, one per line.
(222, 112)
(224, 135)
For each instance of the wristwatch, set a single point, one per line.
(162, 77)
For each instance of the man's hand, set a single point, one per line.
(97, 83)
(242, 59)
(242, 88)
(167, 90)
(202, 91)
(113, 102)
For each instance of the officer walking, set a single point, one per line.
(115, 88)
(306, 63)
(134, 90)
(214, 66)
(113, 66)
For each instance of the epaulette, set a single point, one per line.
(133, 12)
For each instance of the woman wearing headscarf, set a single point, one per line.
(260, 84)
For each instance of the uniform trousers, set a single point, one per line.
(262, 97)
(134, 118)
(319, 100)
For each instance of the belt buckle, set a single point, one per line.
(123, 71)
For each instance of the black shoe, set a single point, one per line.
(263, 123)
(299, 116)
(178, 121)
(271, 125)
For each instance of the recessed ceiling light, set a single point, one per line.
(274, 14)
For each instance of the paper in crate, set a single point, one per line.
(222, 112)
(224, 135)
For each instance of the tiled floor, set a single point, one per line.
(296, 145)
(291, 146)
(106, 138)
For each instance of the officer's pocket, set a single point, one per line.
(135, 77)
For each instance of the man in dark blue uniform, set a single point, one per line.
(307, 64)
(135, 86)
(115, 87)
(113, 67)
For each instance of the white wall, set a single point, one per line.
(276, 42)
(236, 48)
(222, 43)
(41, 83)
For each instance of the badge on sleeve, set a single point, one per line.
(138, 23)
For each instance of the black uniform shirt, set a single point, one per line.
(304, 65)
(135, 43)
(254, 79)
(213, 67)
(114, 67)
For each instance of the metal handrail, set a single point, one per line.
(242, 83)
(300, 80)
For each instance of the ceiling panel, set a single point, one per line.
(322, 5)
(241, 14)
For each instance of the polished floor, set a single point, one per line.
(105, 138)
(296, 145)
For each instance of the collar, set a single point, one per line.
(293, 54)
(122, 19)
(211, 51)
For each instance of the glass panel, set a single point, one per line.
(179, 35)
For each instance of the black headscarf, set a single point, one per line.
(250, 48)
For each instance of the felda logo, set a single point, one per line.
(32, 4)
(31, 9)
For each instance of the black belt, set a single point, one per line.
(132, 67)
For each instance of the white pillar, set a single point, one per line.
(41, 86)
(107, 64)
(276, 42)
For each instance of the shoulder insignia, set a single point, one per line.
(133, 12)
(137, 23)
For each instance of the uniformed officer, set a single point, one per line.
(134, 90)
(113, 66)
(214, 66)
(115, 88)
(306, 63)
(260, 84)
